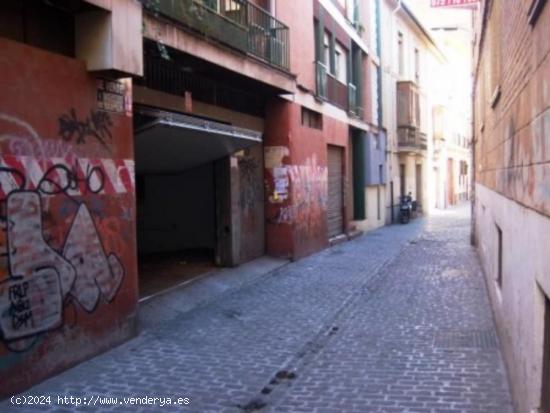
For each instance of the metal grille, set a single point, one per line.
(236, 23)
(167, 76)
(466, 339)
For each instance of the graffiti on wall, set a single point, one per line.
(250, 185)
(303, 186)
(308, 185)
(97, 126)
(41, 276)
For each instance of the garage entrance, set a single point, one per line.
(185, 214)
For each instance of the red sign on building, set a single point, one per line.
(454, 3)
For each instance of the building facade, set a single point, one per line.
(68, 264)
(451, 111)
(315, 137)
(145, 142)
(512, 199)
(412, 67)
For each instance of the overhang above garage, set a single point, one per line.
(168, 142)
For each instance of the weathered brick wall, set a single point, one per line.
(512, 169)
(68, 276)
(513, 150)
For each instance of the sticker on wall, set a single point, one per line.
(111, 95)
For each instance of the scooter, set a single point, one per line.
(405, 208)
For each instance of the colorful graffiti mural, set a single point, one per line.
(41, 278)
(299, 191)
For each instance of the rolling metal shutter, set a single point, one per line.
(335, 219)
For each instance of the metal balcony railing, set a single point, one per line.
(354, 106)
(337, 92)
(321, 79)
(236, 23)
(329, 88)
(267, 37)
(411, 138)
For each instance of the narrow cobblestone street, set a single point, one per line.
(396, 320)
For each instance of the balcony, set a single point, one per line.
(354, 107)
(329, 88)
(236, 23)
(408, 104)
(410, 139)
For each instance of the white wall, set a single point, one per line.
(371, 204)
(519, 304)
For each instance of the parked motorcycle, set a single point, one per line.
(406, 208)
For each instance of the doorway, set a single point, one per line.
(335, 209)
(191, 211)
(176, 227)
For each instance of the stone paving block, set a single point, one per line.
(396, 320)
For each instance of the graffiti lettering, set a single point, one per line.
(53, 176)
(45, 274)
(97, 126)
(20, 309)
(307, 193)
(60, 179)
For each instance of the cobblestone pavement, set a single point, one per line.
(394, 321)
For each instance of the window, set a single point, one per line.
(499, 256)
(326, 49)
(40, 24)
(213, 4)
(312, 119)
(352, 11)
(400, 54)
(341, 63)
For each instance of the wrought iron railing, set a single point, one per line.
(337, 92)
(411, 138)
(167, 76)
(354, 104)
(267, 37)
(236, 23)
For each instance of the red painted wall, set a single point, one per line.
(296, 179)
(68, 276)
(298, 15)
